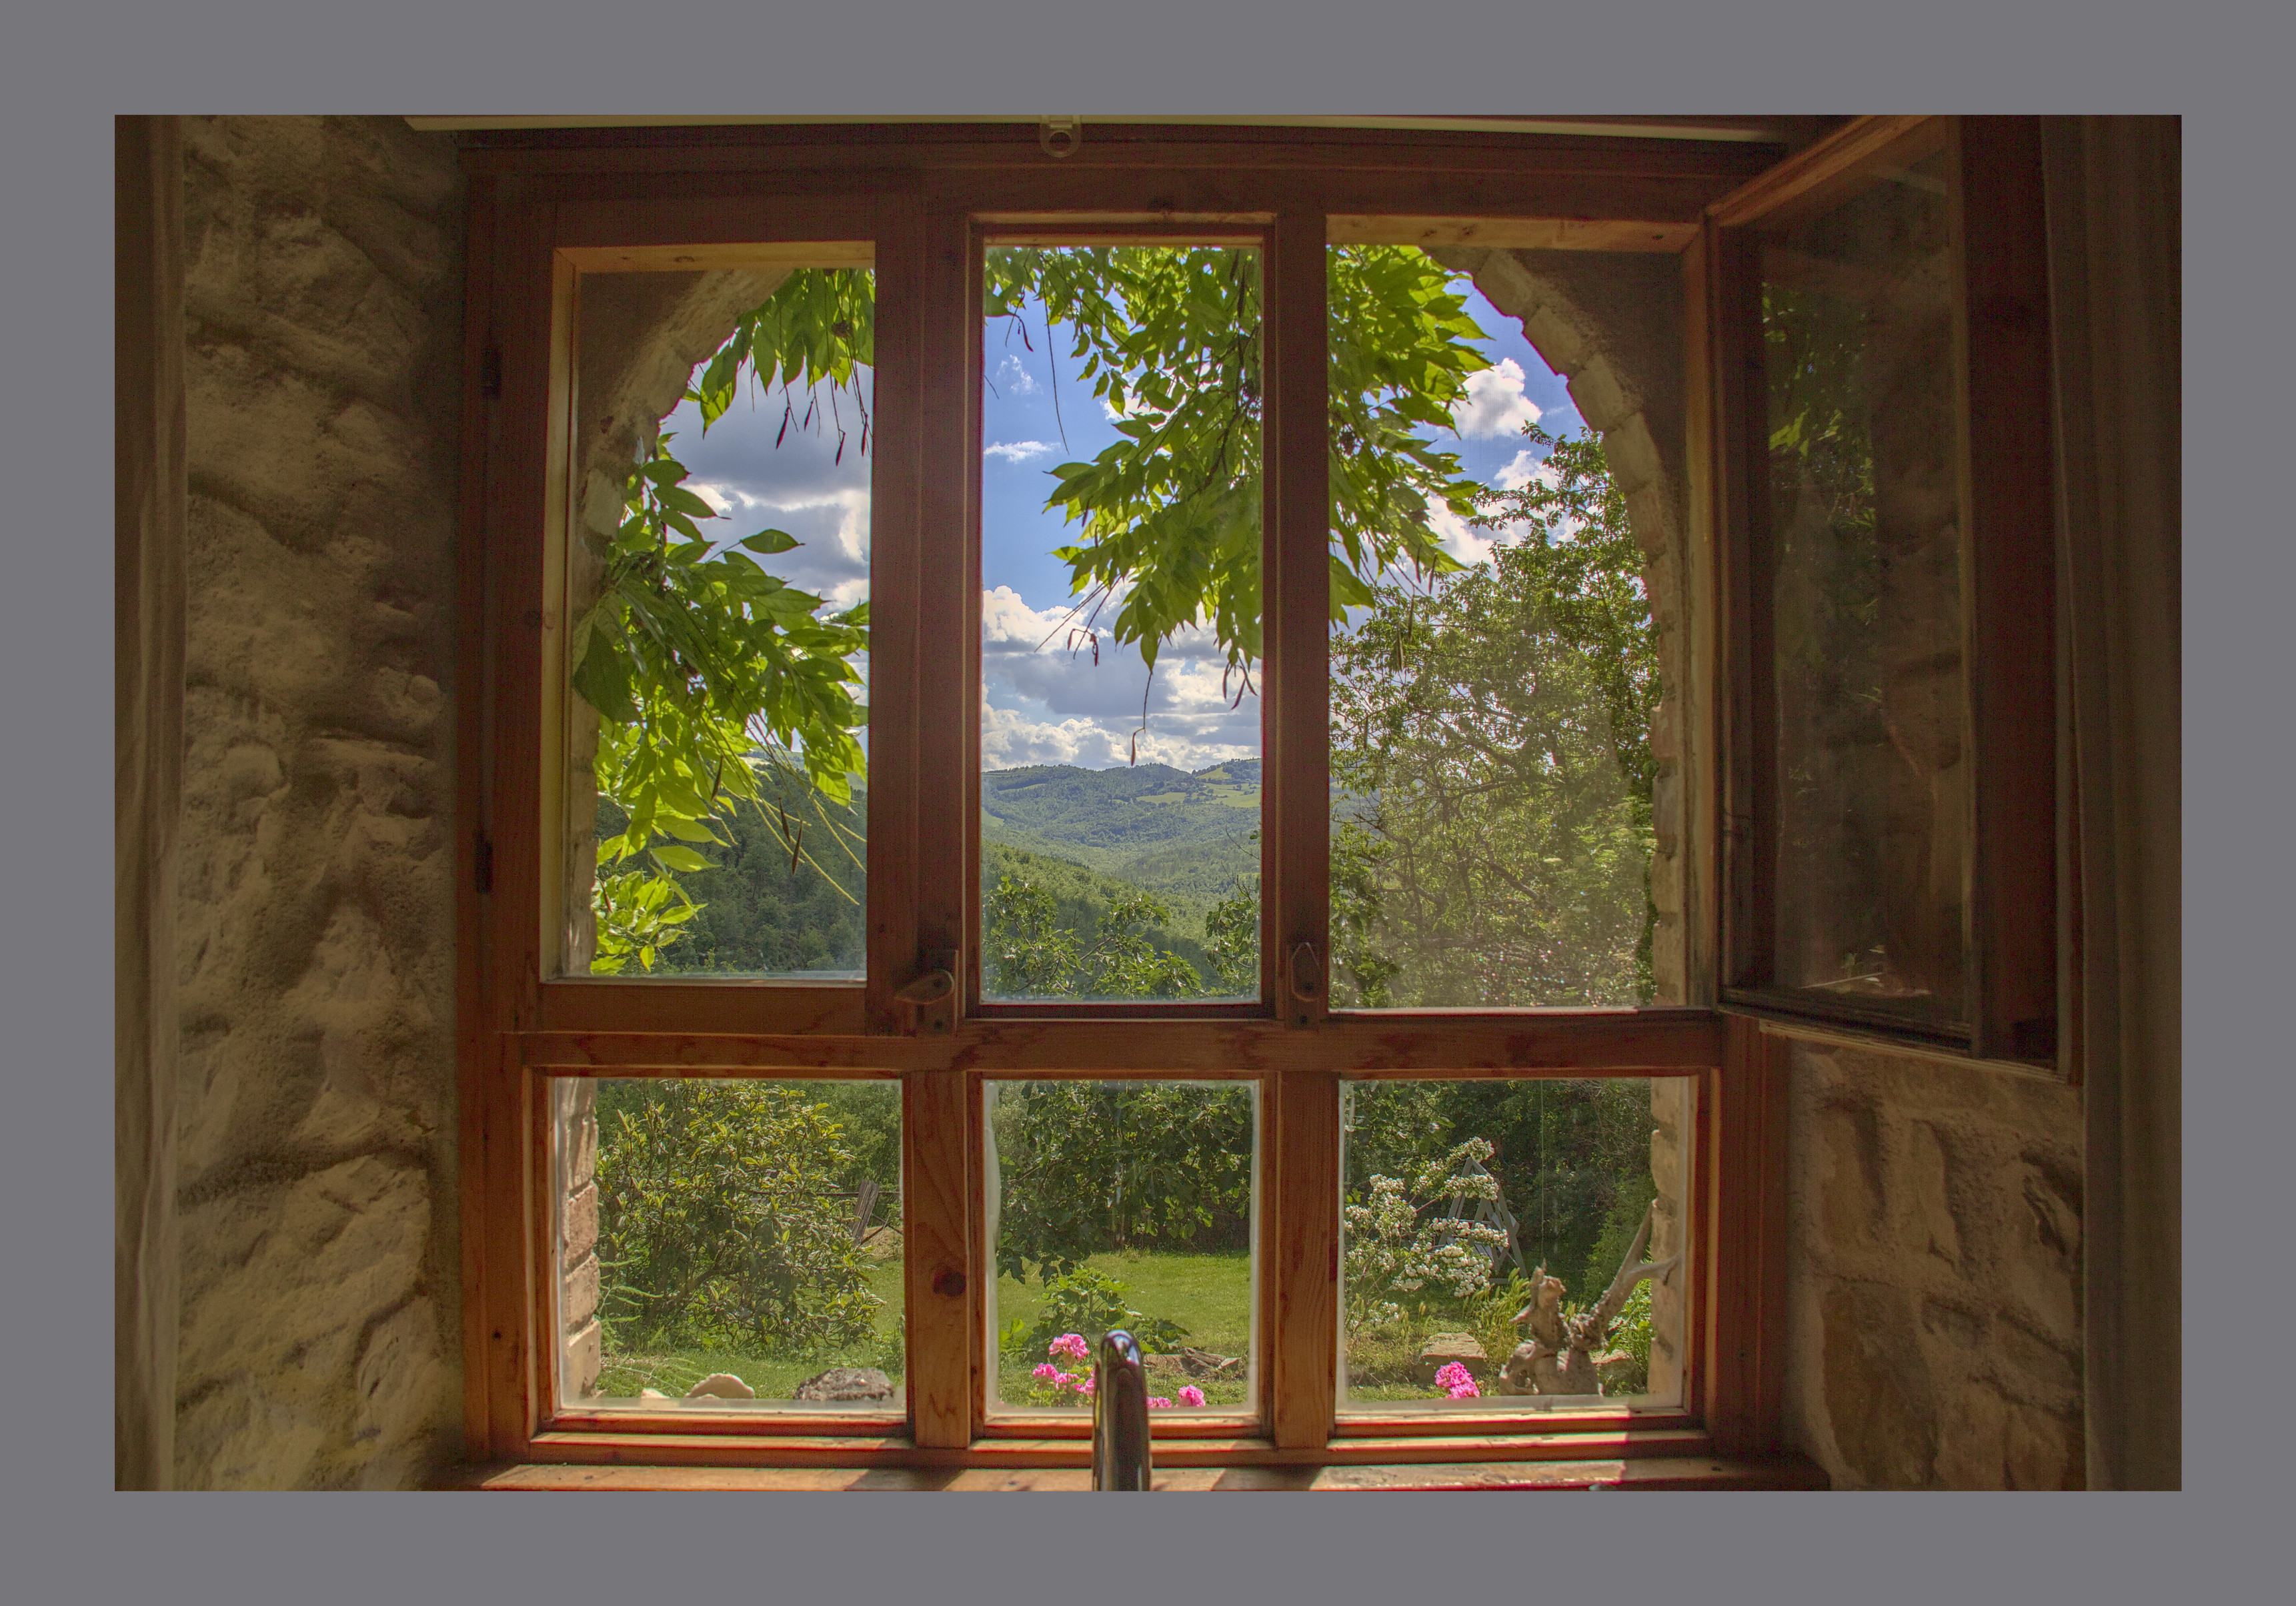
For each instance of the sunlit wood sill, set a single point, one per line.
(1636, 1472)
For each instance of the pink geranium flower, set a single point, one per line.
(1048, 1371)
(1192, 1395)
(1071, 1344)
(1457, 1381)
(1156, 1401)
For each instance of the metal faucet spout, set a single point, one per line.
(1120, 1414)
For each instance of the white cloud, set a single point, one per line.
(1010, 740)
(1011, 376)
(1495, 403)
(1017, 451)
(1523, 470)
(1461, 539)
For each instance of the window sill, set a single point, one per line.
(1639, 1472)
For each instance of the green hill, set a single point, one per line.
(1185, 835)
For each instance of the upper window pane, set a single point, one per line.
(1863, 531)
(1495, 669)
(1120, 623)
(717, 583)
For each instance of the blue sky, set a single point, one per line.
(1042, 702)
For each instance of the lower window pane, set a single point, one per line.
(1495, 1238)
(729, 1245)
(1123, 1204)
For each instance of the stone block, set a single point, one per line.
(577, 1298)
(1443, 1348)
(1666, 883)
(586, 1358)
(1600, 402)
(581, 1229)
(1878, 1396)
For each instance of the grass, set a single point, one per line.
(773, 1375)
(1209, 1294)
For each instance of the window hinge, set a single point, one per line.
(483, 863)
(490, 372)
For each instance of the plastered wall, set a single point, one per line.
(319, 1325)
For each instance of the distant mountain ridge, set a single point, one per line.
(1181, 833)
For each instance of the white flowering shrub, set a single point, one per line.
(1395, 1247)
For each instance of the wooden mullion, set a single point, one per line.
(1747, 705)
(1700, 722)
(940, 1276)
(518, 494)
(2010, 557)
(969, 680)
(1296, 591)
(1742, 1179)
(474, 1036)
(948, 626)
(896, 616)
(1299, 1221)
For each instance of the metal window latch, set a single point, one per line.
(1307, 968)
(928, 1005)
(1060, 135)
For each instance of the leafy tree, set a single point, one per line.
(719, 1219)
(1398, 1242)
(1029, 955)
(1091, 1166)
(1490, 740)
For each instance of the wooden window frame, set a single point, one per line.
(2002, 411)
(539, 205)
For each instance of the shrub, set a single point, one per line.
(718, 1220)
(1393, 1248)
(1089, 1303)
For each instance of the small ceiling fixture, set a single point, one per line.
(1060, 135)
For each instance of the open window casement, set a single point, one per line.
(1882, 490)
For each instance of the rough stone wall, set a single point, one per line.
(1933, 1273)
(320, 1264)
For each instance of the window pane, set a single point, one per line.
(1494, 675)
(718, 583)
(1121, 624)
(1496, 1239)
(1864, 532)
(729, 1245)
(1123, 1204)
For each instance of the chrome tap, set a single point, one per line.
(1120, 1414)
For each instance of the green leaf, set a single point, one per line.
(772, 541)
(682, 858)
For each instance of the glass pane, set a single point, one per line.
(718, 584)
(1494, 675)
(729, 1245)
(1121, 624)
(1863, 530)
(1124, 1204)
(1513, 1245)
